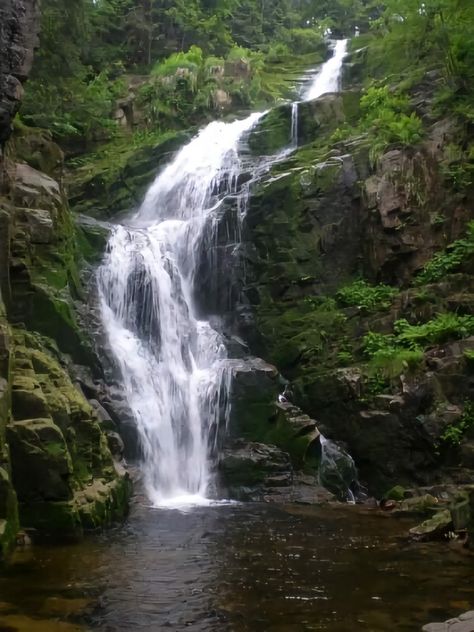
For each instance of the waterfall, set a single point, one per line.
(172, 363)
(329, 77)
(294, 125)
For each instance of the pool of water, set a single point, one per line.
(238, 567)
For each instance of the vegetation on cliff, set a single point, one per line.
(89, 50)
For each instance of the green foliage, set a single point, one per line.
(391, 362)
(387, 357)
(402, 351)
(386, 119)
(469, 358)
(441, 329)
(365, 296)
(450, 260)
(304, 40)
(455, 432)
(192, 60)
(73, 106)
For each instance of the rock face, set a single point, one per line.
(57, 473)
(271, 450)
(19, 27)
(323, 217)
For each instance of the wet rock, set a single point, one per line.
(435, 528)
(248, 470)
(116, 444)
(463, 623)
(42, 466)
(461, 513)
(58, 460)
(94, 235)
(418, 504)
(255, 387)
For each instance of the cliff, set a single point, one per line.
(57, 472)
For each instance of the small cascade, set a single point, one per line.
(337, 471)
(294, 125)
(329, 77)
(172, 361)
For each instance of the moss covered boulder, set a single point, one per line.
(63, 471)
(8, 501)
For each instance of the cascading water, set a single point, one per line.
(294, 125)
(329, 77)
(173, 364)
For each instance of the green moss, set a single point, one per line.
(395, 493)
(58, 519)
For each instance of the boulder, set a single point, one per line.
(42, 466)
(249, 470)
(435, 528)
(255, 388)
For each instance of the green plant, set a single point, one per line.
(387, 357)
(374, 342)
(386, 119)
(392, 362)
(444, 327)
(304, 40)
(344, 358)
(454, 433)
(368, 297)
(469, 358)
(450, 259)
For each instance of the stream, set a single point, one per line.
(238, 567)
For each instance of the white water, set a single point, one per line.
(173, 364)
(294, 125)
(329, 77)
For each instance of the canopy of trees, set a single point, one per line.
(87, 45)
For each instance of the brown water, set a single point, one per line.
(238, 568)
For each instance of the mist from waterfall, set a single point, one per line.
(172, 363)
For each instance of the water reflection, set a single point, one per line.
(238, 568)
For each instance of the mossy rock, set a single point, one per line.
(42, 466)
(9, 522)
(272, 132)
(395, 493)
(61, 463)
(115, 180)
(52, 519)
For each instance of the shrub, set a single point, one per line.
(449, 260)
(304, 40)
(369, 297)
(454, 433)
(192, 60)
(276, 52)
(386, 119)
(392, 362)
(441, 329)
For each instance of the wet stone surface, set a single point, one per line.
(463, 623)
